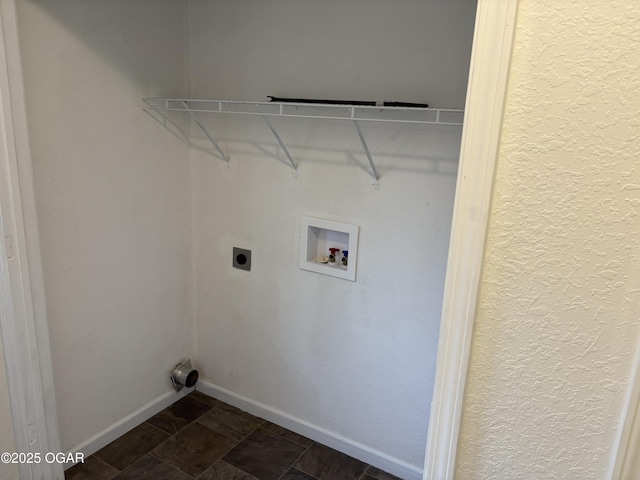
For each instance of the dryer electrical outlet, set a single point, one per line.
(242, 258)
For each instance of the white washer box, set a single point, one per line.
(317, 236)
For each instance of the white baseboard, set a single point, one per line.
(338, 442)
(108, 435)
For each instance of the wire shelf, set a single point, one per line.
(437, 116)
(352, 113)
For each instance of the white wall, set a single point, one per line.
(7, 442)
(112, 190)
(356, 359)
(114, 193)
(411, 50)
(557, 326)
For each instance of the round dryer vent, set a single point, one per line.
(184, 375)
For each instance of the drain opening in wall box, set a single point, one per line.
(329, 247)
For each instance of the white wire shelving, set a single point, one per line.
(354, 114)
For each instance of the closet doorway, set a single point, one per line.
(494, 68)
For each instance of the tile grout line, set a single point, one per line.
(178, 468)
(365, 472)
(288, 439)
(298, 458)
(147, 453)
(195, 420)
(188, 424)
(220, 459)
(261, 426)
(238, 442)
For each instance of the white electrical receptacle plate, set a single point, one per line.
(317, 236)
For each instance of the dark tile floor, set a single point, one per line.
(204, 438)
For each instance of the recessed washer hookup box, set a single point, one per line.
(329, 247)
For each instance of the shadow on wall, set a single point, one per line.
(125, 34)
(128, 36)
(368, 50)
(418, 149)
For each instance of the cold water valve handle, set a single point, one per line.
(345, 257)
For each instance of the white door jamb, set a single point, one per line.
(23, 322)
(486, 93)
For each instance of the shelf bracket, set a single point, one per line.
(366, 151)
(166, 122)
(279, 140)
(206, 132)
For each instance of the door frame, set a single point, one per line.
(24, 325)
(626, 461)
(484, 111)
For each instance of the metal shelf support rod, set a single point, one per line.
(366, 150)
(206, 132)
(280, 142)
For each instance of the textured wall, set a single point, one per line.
(557, 325)
(357, 358)
(112, 191)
